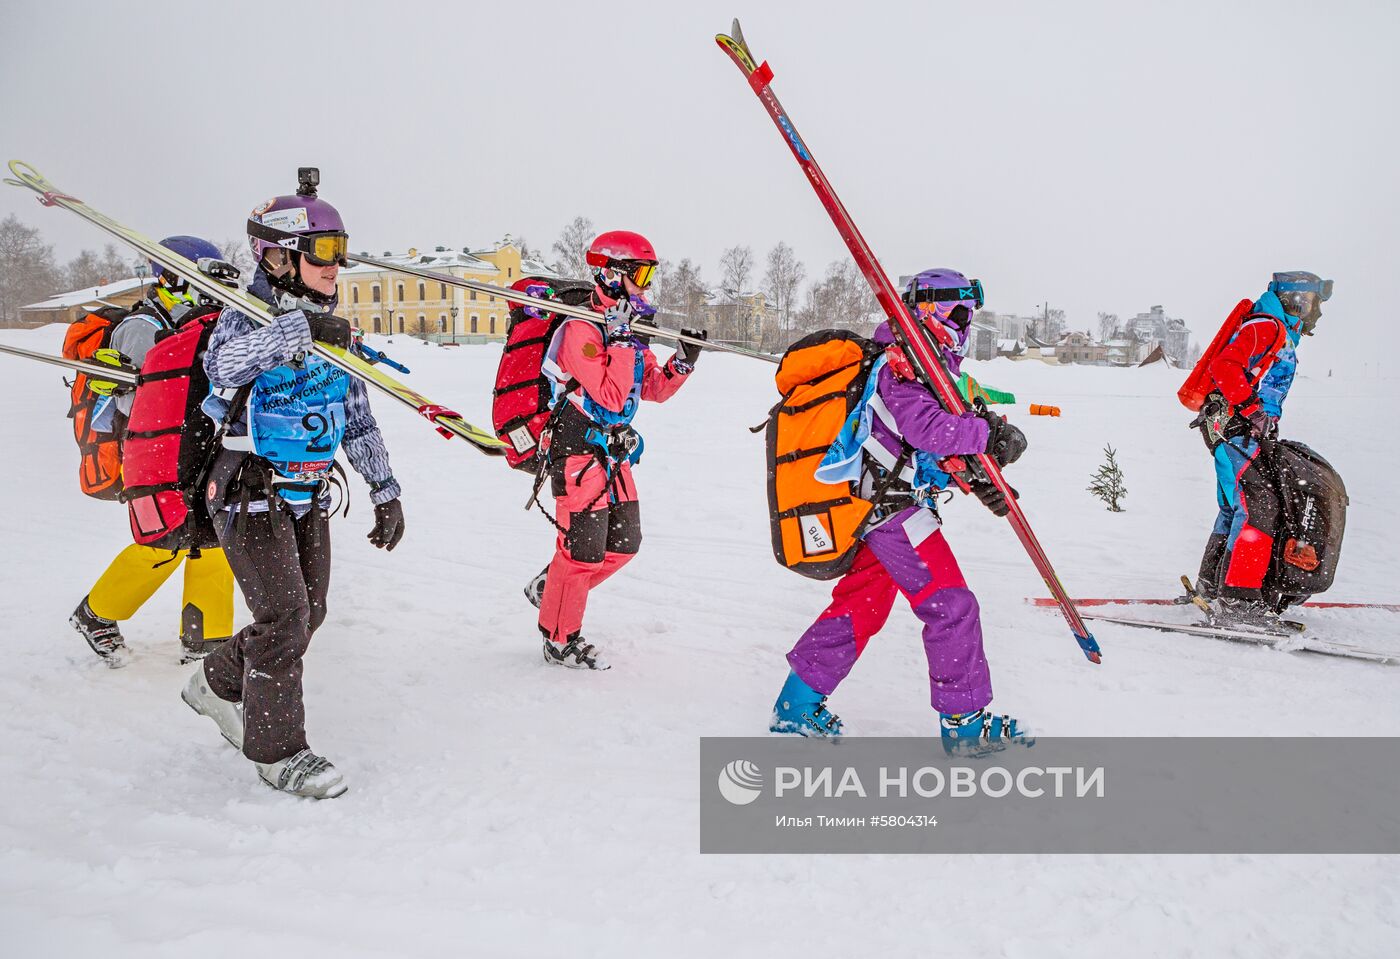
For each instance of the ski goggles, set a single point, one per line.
(1323, 288)
(951, 294)
(322, 249)
(640, 272)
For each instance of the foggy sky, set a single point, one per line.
(1101, 156)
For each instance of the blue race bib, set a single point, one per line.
(296, 418)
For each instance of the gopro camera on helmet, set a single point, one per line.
(308, 179)
(220, 271)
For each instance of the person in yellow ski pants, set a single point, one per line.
(206, 615)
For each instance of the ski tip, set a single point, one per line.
(1090, 645)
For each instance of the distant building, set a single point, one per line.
(1122, 351)
(1079, 348)
(742, 314)
(983, 337)
(1155, 327)
(71, 306)
(385, 301)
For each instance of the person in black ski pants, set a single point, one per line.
(269, 487)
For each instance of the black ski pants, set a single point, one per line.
(283, 566)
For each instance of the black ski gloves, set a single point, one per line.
(329, 329)
(688, 353)
(388, 525)
(1261, 424)
(1005, 442)
(991, 497)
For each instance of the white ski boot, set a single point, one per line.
(305, 774)
(226, 715)
(103, 635)
(575, 653)
(534, 590)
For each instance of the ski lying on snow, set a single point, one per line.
(447, 422)
(1046, 601)
(1287, 643)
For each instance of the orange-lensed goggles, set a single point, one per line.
(640, 272)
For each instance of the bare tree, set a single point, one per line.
(735, 313)
(681, 292)
(90, 268)
(1108, 326)
(841, 299)
(781, 281)
(572, 247)
(27, 270)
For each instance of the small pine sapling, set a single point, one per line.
(1108, 481)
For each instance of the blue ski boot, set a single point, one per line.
(801, 710)
(978, 734)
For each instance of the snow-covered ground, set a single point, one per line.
(501, 808)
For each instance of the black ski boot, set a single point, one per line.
(103, 635)
(194, 645)
(534, 590)
(1245, 614)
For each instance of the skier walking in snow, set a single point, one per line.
(269, 489)
(1252, 375)
(601, 372)
(904, 551)
(206, 617)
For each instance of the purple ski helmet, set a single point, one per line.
(301, 223)
(947, 297)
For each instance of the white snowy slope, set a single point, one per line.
(499, 807)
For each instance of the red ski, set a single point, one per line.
(1109, 601)
(910, 334)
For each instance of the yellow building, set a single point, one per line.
(383, 301)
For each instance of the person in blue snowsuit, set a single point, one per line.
(1252, 375)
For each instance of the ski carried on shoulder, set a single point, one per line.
(100, 371)
(554, 306)
(1286, 642)
(910, 335)
(446, 422)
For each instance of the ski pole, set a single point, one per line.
(910, 333)
(554, 306)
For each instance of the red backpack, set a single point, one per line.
(170, 442)
(1200, 383)
(522, 400)
(99, 466)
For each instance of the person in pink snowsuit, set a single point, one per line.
(601, 371)
(904, 551)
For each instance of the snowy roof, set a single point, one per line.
(726, 297)
(1009, 346)
(89, 294)
(536, 268)
(433, 260)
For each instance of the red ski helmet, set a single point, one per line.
(628, 253)
(531, 286)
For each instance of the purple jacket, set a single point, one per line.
(919, 417)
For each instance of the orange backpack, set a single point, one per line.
(100, 468)
(815, 525)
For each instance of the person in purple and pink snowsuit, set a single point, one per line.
(904, 551)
